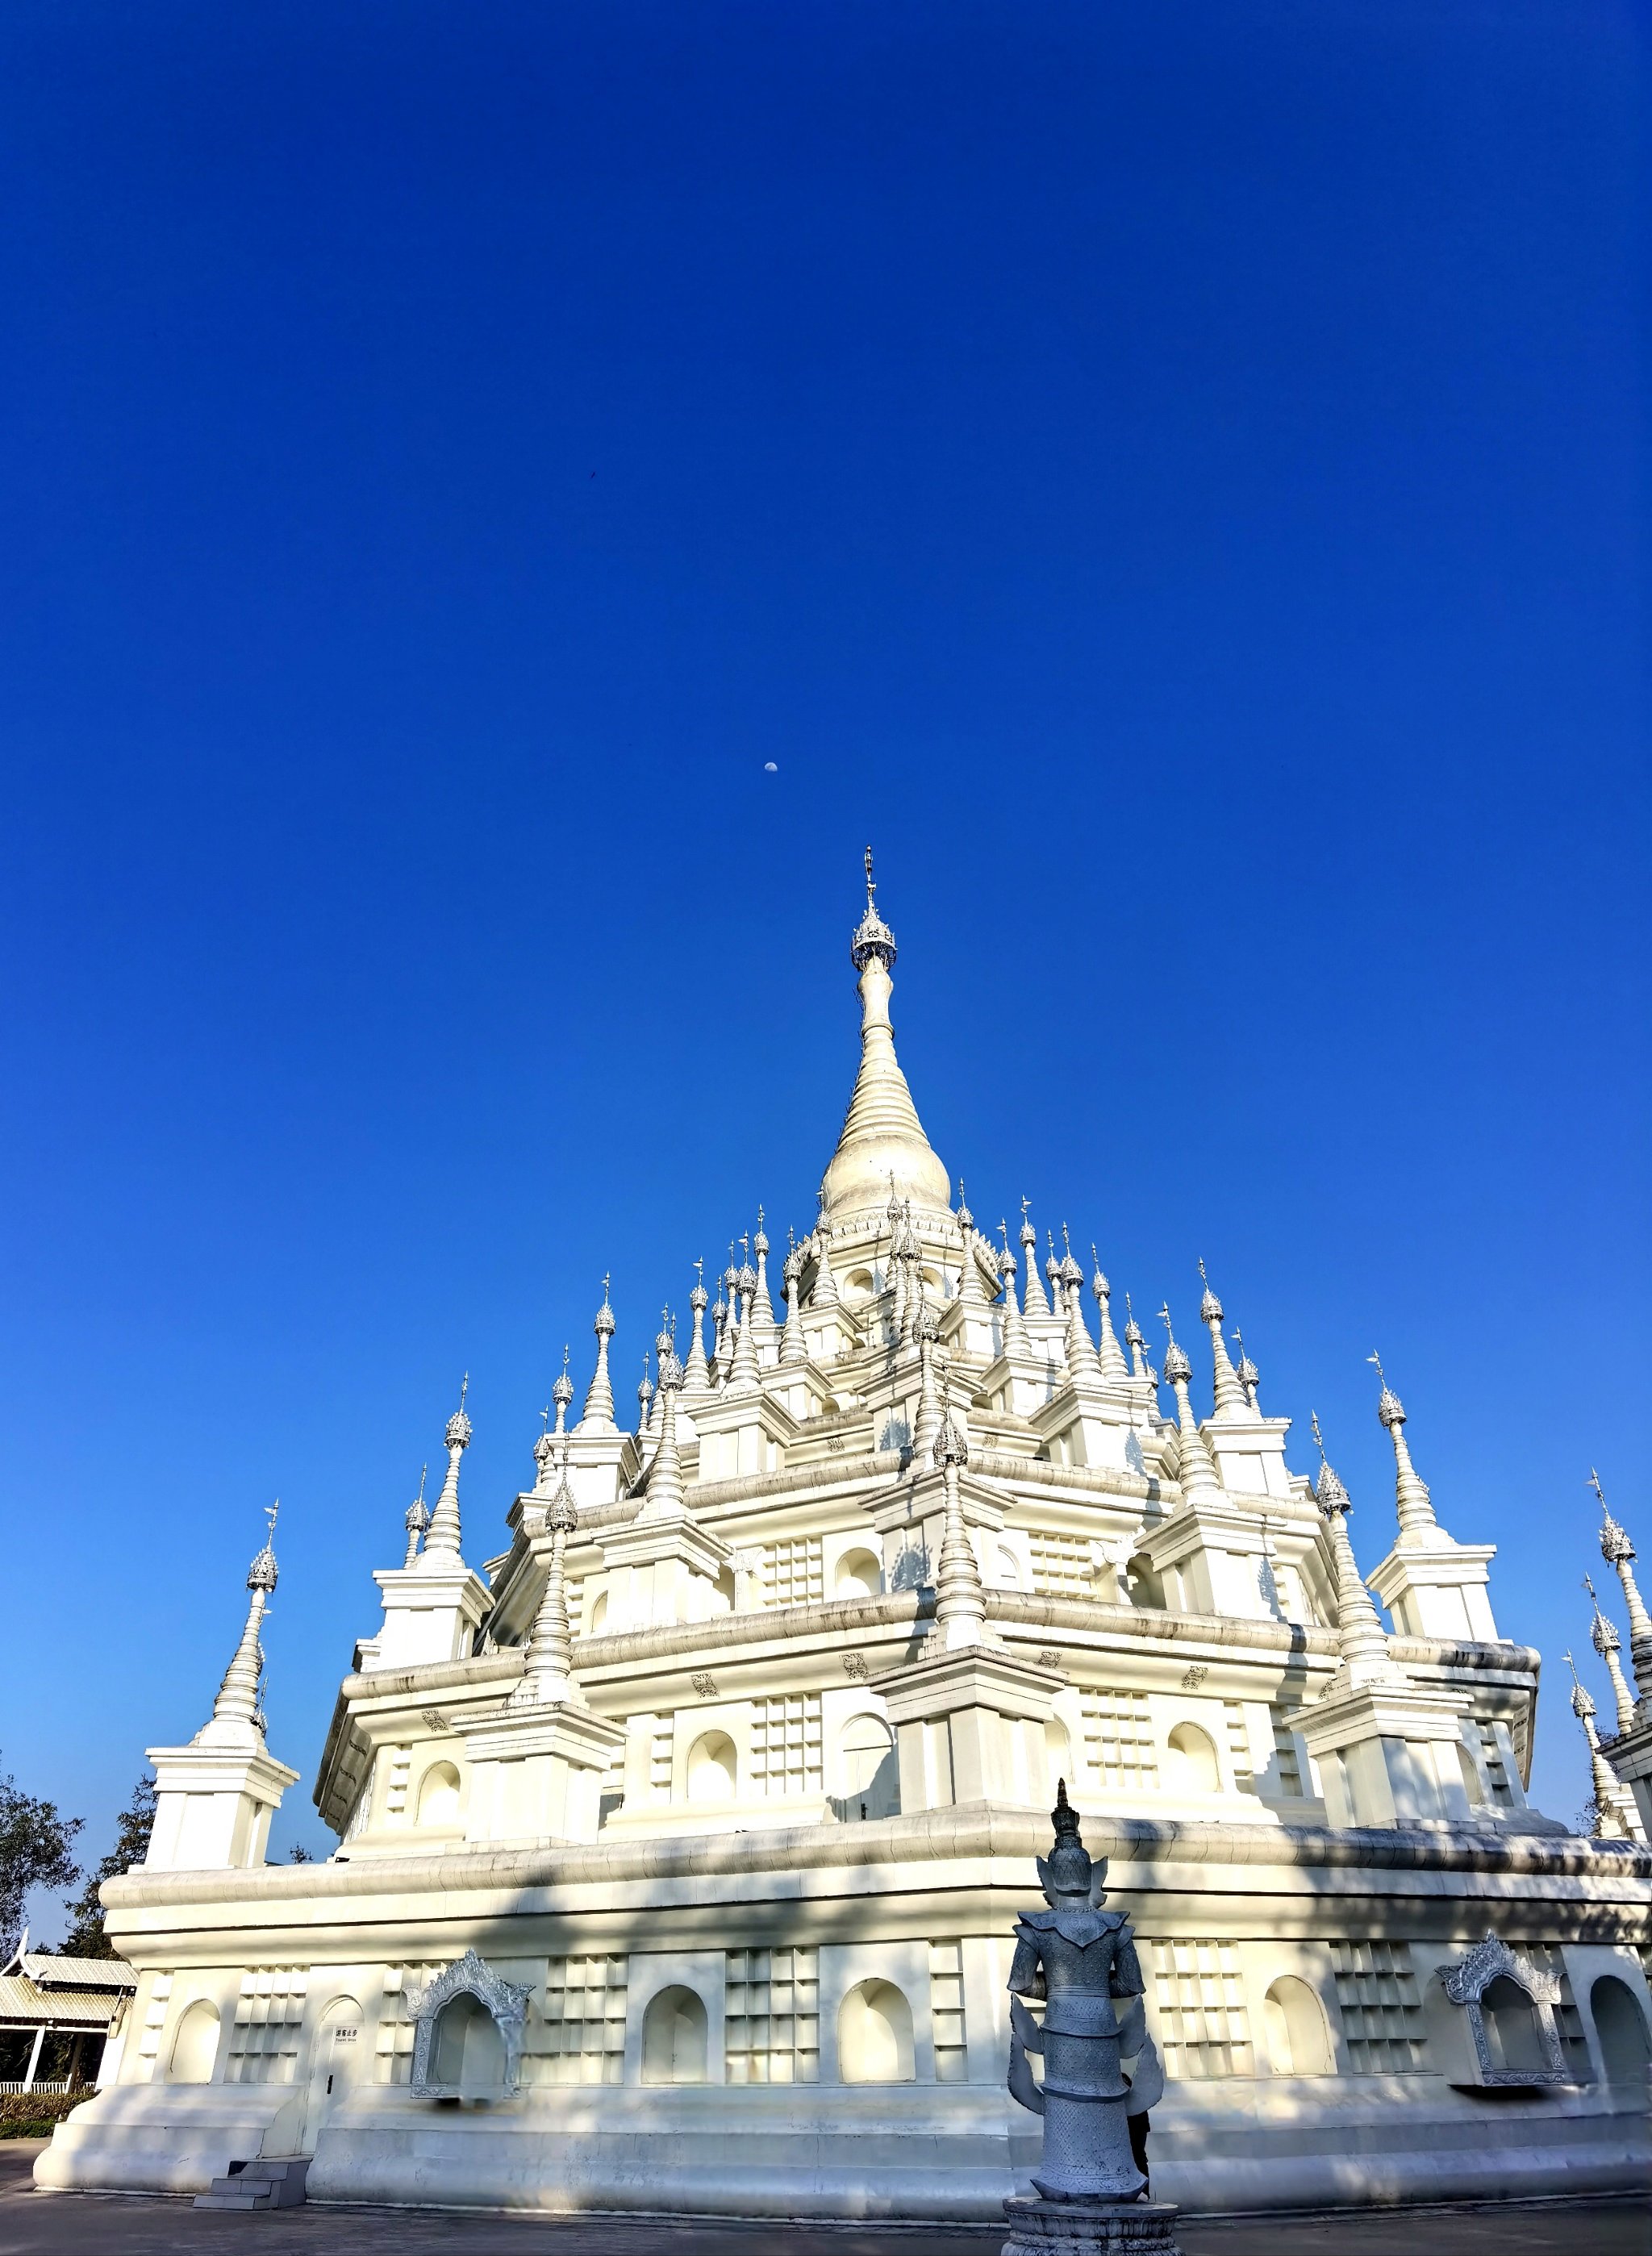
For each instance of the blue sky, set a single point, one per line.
(1173, 478)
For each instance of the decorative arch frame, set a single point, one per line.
(1466, 1985)
(506, 2002)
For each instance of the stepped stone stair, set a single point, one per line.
(277, 2183)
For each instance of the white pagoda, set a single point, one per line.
(679, 1844)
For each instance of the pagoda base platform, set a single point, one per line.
(1090, 2228)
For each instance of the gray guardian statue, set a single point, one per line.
(1081, 1960)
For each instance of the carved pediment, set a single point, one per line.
(1469, 1979)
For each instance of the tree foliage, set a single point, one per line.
(35, 1853)
(85, 1938)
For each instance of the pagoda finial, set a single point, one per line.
(1617, 1816)
(1197, 1471)
(597, 1416)
(1617, 1551)
(1419, 1529)
(416, 1520)
(697, 1379)
(1078, 1348)
(1110, 1355)
(1034, 1302)
(1012, 1337)
(236, 1716)
(548, 1665)
(1366, 1659)
(1249, 1376)
(563, 1392)
(443, 1533)
(1135, 1340)
(960, 1603)
(1230, 1397)
(872, 936)
(1603, 1637)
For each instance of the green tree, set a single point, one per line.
(35, 1853)
(85, 1938)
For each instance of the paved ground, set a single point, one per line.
(125, 2224)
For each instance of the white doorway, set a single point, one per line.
(336, 2064)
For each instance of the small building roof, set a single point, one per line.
(52, 1971)
(24, 2004)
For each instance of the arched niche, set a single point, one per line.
(673, 2038)
(599, 1615)
(1507, 2008)
(1626, 2052)
(1190, 1762)
(1513, 2033)
(468, 2032)
(439, 1795)
(1009, 1569)
(713, 1768)
(194, 2045)
(1298, 2041)
(1058, 1751)
(727, 1595)
(874, 2035)
(860, 1575)
(868, 1770)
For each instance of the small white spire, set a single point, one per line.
(545, 1448)
(1418, 1527)
(697, 1376)
(960, 1602)
(1014, 1331)
(236, 1712)
(1082, 1360)
(547, 1675)
(926, 1333)
(1033, 1301)
(1135, 1340)
(665, 1475)
(562, 1395)
(794, 1349)
(971, 1292)
(744, 1377)
(1197, 1474)
(1230, 1400)
(1603, 1637)
(825, 1292)
(1249, 1376)
(598, 1414)
(443, 1535)
(1617, 1550)
(1359, 1633)
(1618, 1817)
(417, 1519)
(1110, 1355)
(766, 1332)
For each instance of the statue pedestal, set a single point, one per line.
(1090, 2228)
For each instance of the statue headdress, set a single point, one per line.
(1069, 1870)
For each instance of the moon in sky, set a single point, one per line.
(769, 768)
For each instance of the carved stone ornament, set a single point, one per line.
(435, 1720)
(704, 1683)
(855, 1667)
(1465, 1983)
(506, 2002)
(1192, 1678)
